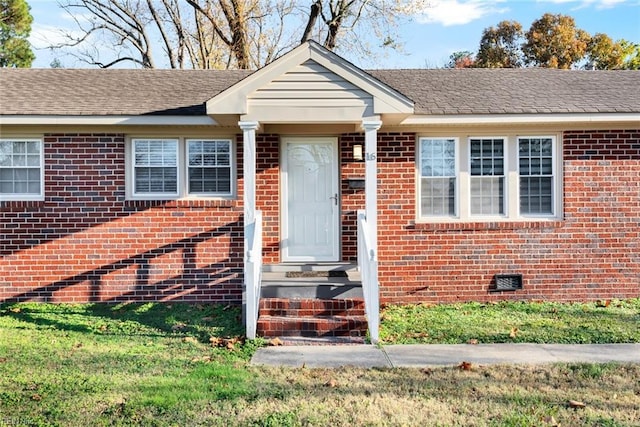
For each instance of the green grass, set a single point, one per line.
(99, 364)
(513, 322)
(154, 365)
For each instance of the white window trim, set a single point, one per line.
(232, 169)
(183, 170)
(28, 196)
(506, 199)
(132, 169)
(456, 202)
(512, 178)
(555, 168)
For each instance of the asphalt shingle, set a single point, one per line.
(111, 92)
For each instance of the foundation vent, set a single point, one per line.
(507, 282)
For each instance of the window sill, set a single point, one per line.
(183, 203)
(489, 225)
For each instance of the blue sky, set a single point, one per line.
(445, 27)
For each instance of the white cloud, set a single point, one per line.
(43, 36)
(458, 12)
(582, 4)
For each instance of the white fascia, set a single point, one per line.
(491, 119)
(108, 120)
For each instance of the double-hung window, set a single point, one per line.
(155, 167)
(438, 177)
(21, 169)
(536, 170)
(209, 166)
(172, 168)
(469, 178)
(487, 176)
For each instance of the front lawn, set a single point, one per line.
(186, 365)
(513, 322)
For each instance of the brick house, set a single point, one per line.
(444, 185)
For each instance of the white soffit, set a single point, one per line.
(339, 84)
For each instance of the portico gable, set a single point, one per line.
(309, 85)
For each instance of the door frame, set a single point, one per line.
(284, 208)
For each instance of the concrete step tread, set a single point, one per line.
(272, 280)
(318, 318)
(328, 266)
(307, 341)
(311, 290)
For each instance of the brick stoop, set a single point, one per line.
(302, 317)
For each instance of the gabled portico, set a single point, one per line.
(308, 97)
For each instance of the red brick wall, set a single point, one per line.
(268, 194)
(84, 242)
(352, 198)
(593, 253)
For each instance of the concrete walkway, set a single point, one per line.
(433, 355)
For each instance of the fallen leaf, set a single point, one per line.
(204, 359)
(36, 397)
(103, 328)
(603, 303)
(215, 341)
(551, 421)
(230, 345)
(513, 333)
(15, 310)
(473, 341)
(331, 383)
(3, 359)
(276, 342)
(178, 327)
(575, 404)
(190, 339)
(465, 366)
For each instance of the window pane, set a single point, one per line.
(487, 157)
(438, 182)
(209, 166)
(438, 196)
(487, 196)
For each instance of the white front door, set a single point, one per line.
(311, 202)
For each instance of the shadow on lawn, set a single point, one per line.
(200, 321)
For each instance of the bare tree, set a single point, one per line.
(228, 33)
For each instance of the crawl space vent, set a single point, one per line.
(507, 282)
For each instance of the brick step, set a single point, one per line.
(295, 307)
(329, 326)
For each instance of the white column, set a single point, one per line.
(250, 296)
(371, 177)
(249, 166)
(371, 288)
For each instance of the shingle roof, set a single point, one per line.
(96, 92)
(435, 92)
(516, 91)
